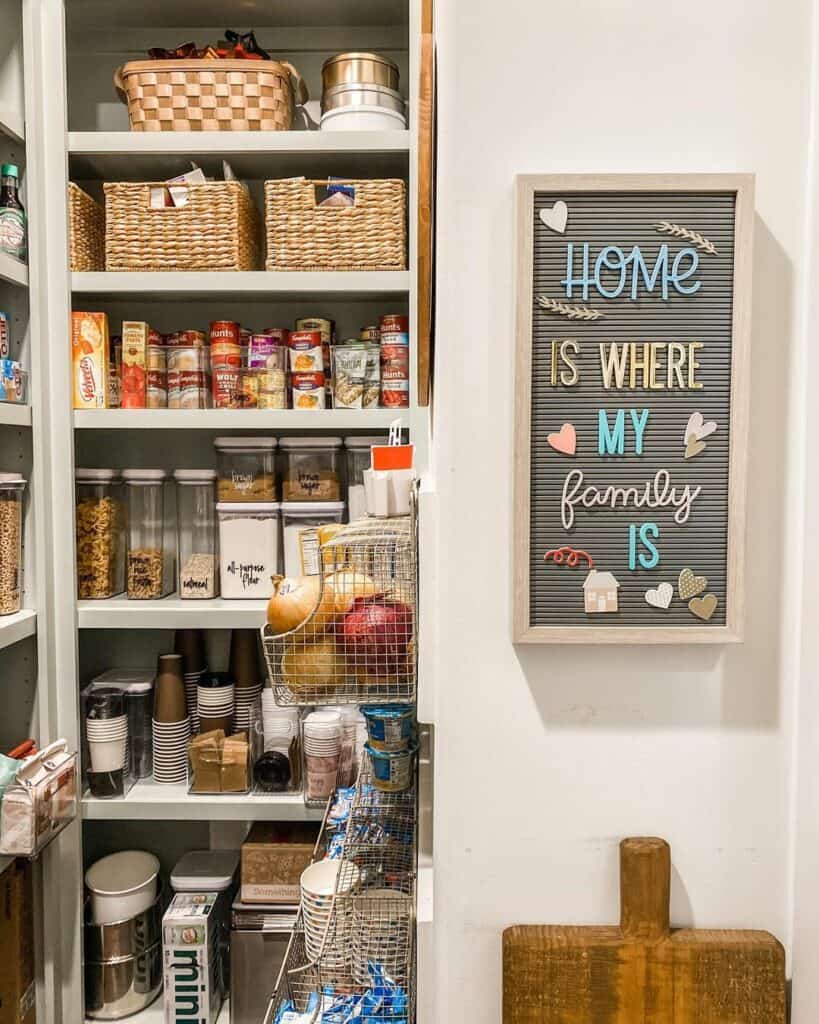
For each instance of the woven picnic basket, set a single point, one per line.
(210, 95)
(304, 235)
(216, 229)
(86, 222)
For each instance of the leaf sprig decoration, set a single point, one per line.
(666, 227)
(567, 310)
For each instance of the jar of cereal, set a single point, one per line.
(12, 486)
(100, 530)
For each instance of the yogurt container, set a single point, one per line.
(391, 770)
(390, 728)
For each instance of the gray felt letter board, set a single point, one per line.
(633, 300)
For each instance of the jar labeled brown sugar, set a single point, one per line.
(311, 468)
(100, 531)
(246, 468)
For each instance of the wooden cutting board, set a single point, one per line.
(642, 972)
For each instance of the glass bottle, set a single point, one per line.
(12, 214)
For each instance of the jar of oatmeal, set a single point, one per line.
(151, 558)
(198, 576)
(311, 468)
(12, 486)
(100, 531)
(246, 468)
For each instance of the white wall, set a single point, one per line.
(548, 756)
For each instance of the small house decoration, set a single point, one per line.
(600, 592)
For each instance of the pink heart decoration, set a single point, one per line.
(565, 441)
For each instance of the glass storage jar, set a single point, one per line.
(359, 458)
(247, 468)
(301, 522)
(151, 534)
(12, 486)
(197, 565)
(248, 548)
(311, 468)
(100, 531)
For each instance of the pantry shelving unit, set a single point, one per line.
(17, 627)
(13, 271)
(77, 129)
(13, 415)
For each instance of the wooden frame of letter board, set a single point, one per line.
(742, 185)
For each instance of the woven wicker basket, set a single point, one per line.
(86, 230)
(301, 235)
(217, 229)
(210, 95)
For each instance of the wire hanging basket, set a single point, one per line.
(359, 645)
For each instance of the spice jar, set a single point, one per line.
(359, 458)
(12, 486)
(100, 530)
(247, 470)
(151, 534)
(196, 533)
(248, 548)
(301, 522)
(310, 468)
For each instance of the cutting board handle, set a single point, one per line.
(645, 888)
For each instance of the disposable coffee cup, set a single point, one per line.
(190, 643)
(107, 755)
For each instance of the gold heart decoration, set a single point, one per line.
(703, 607)
(693, 447)
(691, 585)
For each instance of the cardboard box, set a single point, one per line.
(193, 991)
(17, 988)
(134, 384)
(273, 858)
(89, 360)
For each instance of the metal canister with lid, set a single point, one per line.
(360, 68)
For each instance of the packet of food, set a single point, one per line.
(89, 360)
(349, 376)
(372, 378)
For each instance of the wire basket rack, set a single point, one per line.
(371, 910)
(359, 644)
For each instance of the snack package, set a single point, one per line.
(349, 376)
(134, 387)
(11, 381)
(89, 360)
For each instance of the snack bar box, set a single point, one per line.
(190, 936)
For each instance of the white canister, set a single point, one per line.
(122, 885)
(301, 520)
(248, 548)
(363, 119)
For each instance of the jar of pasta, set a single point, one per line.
(151, 561)
(246, 468)
(311, 468)
(12, 486)
(100, 532)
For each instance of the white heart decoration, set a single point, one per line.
(556, 217)
(660, 597)
(698, 428)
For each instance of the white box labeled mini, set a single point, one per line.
(190, 931)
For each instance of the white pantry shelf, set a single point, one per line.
(155, 1014)
(11, 124)
(170, 612)
(14, 414)
(150, 801)
(17, 627)
(259, 284)
(12, 270)
(140, 156)
(236, 419)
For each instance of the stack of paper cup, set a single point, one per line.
(107, 743)
(322, 751)
(215, 699)
(327, 915)
(190, 643)
(171, 725)
(244, 701)
(350, 718)
(280, 725)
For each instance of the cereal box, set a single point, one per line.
(89, 360)
(190, 959)
(134, 386)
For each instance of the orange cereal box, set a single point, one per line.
(89, 360)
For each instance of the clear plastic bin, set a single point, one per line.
(359, 458)
(12, 486)
(311, 468)
(151, 561)
(100, 530)
(301, 522)
(248, 548)
(247, 468)
(197, 557)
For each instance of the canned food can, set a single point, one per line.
(281, 334)
(225, 331)
(272, 399)
(394, 323)
(156, 357)
(326, 328)
(395, 338)
(249, 389)
(225, 355)
(154, 337)
(157, 389)
(185, 357)
(308, 390)
(225, 382)
(371, 333)
(306, 353)
(190, 339)
(265, 351)
(395, 394)
(395, 357)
